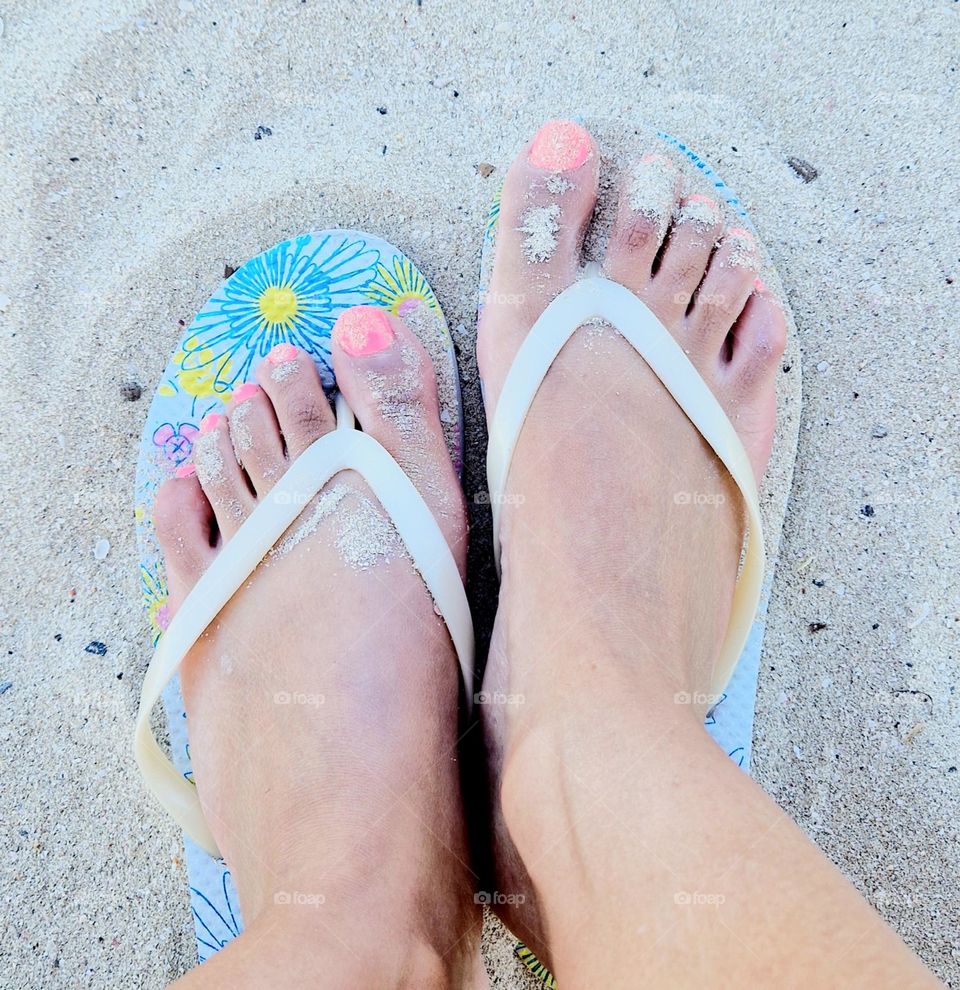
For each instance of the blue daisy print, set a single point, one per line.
(291, 294)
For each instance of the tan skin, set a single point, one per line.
(637, 851)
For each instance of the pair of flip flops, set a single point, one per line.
(294, 293)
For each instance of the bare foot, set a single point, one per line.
(623, 504)
(323, 700)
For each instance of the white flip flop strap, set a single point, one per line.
(341, 450)
(597, 298)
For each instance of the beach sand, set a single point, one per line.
(131, 175)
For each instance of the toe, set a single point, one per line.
(696, 227)
(649, 192)
(723, 293)
(547, 200)
(221, 477)
(387, 377)
(758, 340)
(757, 344)
(256, 438)
(292, 382)
(186, 530)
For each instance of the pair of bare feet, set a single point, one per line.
(341, 817)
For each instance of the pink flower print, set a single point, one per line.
(176, 442)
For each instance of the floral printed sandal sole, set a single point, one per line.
(291, 293)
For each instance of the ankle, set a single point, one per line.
(555, 754)
(347, 952)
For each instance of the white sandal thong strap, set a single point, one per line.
(341, 450)
(597, 298)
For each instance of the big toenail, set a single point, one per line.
(281, 354)
(245, 392)
(186, 471)
(560, 146)
(741, 233)
(759, 285)
(209, 423)
(363, 330)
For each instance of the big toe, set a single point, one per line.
(388, 379)
(546, 203)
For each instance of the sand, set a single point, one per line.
(145, 148)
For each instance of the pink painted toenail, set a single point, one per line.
(245, 392)
(741, 232)
(700, 198)
(759, 285)
(186, 471)
(363, 330)
(209, 423)
(560, 146)
(649, 159)
(281, 354)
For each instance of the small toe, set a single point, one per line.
(758, 339)
(256, 437)
(221, 477)
(649, 192)
(387, 378)
(186, 530)
(696, 227)
(723, 292)
(291, 380)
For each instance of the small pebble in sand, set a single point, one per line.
(816, 627)
(823, 366)
(96, 647)
(868, 511)
(541, 225)
(805, 170)
(261, 132)
(130, 391)
(228, 270)
(485, 170)
(101, 549)
(5, 686)
(879, 432)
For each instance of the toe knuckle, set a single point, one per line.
(305, 412)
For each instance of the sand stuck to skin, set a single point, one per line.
(145, 147)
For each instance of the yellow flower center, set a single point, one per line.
(278, 304)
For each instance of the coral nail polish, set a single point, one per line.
(186, 471)
(559, 146)
(210, 422)
(363, 330)
(243, 393)
(281, 354)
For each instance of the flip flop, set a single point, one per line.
(730, 718)
(291, 293)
